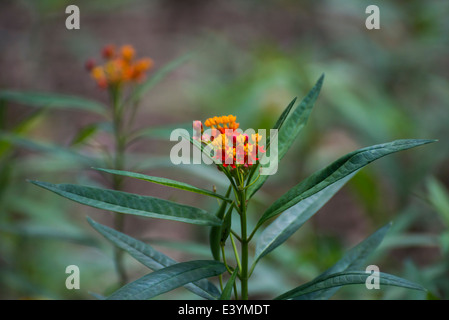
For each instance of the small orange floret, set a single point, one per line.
(143, 64)
(100, 77)
(127, 52)
(140, 67)
(98, 73)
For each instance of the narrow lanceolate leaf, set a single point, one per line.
(284, 115)
(338, 170)
(227, 225)
(167, 279)
(277, 126)
(166, 182)
(439, 198)
(227, 291)
(85, 134)
(282, 118)
(19, 141)
(23, 127)
(347, 278)
(152, 258)
(294, 217)
(97, 296)
(215, 232)
(52, 100)
(289, 127)
(128, 203)
(354, 259)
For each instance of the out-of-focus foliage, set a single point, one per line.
(249, 58)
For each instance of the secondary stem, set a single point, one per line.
(119, 163)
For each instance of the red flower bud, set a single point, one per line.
(90, 64)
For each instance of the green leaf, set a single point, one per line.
(24, 126)
(294, 217)
(128, 203)
(226, 227)
(152, 258)
(227, 291)
(339, 169)
(182, 246)
(166, 182)
(281, 119)
(97, 296)
(52, 100)
(49, 233)
(284, 115)
(84, 134)
(30, 121)
(167, 279)
(347, 278)
(40, 146)
(277, 126)
(290, 127)
(354, 259)
(157, 77)
(215, 232)
(439, 198)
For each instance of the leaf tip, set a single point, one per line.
(35, 182)
(99, 169)
(90, 220)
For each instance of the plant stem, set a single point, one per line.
(224, 260)
(119, 164)
(235, 252)
(236, 294)
(244, 246)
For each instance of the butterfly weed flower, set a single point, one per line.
(232, 149)
(120, 67)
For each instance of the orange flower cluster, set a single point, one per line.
(120, 67)
(231, 147)
(222, 123)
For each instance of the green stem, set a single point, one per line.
(236, 235)
(244, 246)
(220, 279)
(119, 164)
(235, 252)
(224, 260)
(236, 295)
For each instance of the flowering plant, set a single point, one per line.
(239, 157)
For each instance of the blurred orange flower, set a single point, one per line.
(120, 67)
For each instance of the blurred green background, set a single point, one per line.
(248, 58)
